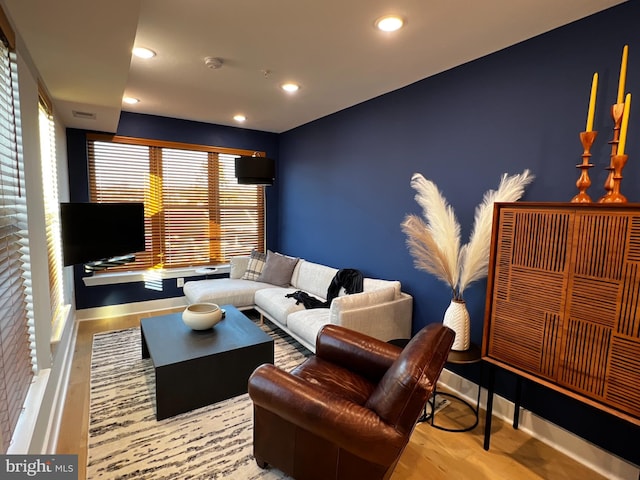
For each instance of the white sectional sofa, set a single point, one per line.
(381, 310)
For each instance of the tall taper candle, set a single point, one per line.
(625, 124)
(592, 102)
(623, 73)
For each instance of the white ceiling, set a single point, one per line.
(82, 50)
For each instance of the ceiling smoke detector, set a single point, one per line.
(213, 63)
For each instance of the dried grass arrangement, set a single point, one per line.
(434, 242)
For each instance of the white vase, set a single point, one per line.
(456, 317)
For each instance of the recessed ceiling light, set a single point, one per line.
(389, 23)
(142, 52)
(130, 100)
(239, 118)
(290, 87)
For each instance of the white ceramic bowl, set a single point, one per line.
(201, 316)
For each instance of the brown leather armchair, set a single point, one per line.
(348, 411)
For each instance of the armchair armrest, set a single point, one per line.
(350, 426)
(355, 351)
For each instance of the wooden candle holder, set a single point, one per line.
(617, 110)
(617, 164)
(584, 182)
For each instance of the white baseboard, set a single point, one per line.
(573, 446)
(130, 308)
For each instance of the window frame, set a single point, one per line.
(154, 195)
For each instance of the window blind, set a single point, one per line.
(16, 359)
(195, 212)
(51, 209)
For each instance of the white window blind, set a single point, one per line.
(51, 211)
(16, 321)
(195, 211)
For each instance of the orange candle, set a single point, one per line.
(623, 73)
(592, 102)
(625, 124)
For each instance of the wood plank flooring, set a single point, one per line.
(431, 453)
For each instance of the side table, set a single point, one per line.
(472, 355)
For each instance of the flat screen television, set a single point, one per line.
(98, 231)
(255, 170)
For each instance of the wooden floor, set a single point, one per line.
(431, 453)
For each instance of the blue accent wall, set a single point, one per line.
(342, 186)
(344, 180)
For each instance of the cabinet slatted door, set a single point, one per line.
(563, 300)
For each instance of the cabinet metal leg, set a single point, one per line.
(516, 412)
(487, 418)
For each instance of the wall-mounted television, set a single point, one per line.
(98, 231)
(255, 170)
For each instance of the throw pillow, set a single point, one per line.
(238, 266)
(255, 266)
(278, 269)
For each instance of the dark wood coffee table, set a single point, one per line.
(197, 368)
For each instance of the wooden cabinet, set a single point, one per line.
(563, 300)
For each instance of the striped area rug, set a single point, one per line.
(127, 442)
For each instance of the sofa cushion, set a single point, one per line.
(274, 302)
(223, 291)
(313, 278)
(371, 284)
(238, 266)
(365, 299)
(255, 266)
(307, 323)
(277, 269)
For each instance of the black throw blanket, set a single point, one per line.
(349, 278)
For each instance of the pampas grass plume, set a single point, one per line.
(427, 254)
(435, 243)
(474, 261)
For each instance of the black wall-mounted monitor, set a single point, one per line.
(255, 170)
(97, 231)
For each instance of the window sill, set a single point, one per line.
(153, 275)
